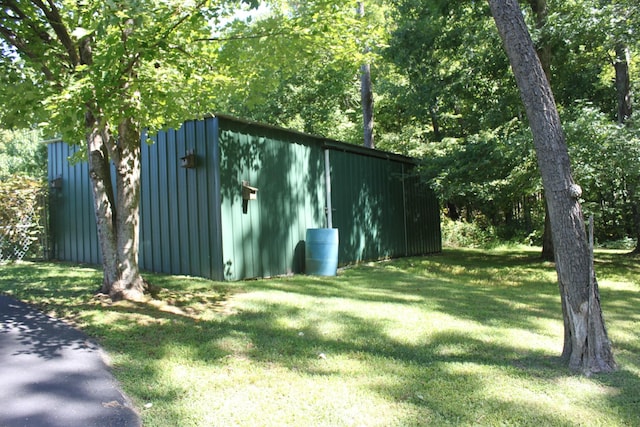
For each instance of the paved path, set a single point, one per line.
(52, 375)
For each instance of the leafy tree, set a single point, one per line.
(454, 67)
(607, 164)
(586, 344)
(99, 72)
(22, 152)
(301, 65)
(500, 175)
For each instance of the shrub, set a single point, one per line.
(22, 216)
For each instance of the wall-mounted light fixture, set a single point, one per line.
(56, 183)
(248, 193)
(189, 160)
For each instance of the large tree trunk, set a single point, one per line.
(587, 346)
(127, 160)
(117, 220)
(103, 199)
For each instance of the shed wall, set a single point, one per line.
(193, 222)
(180, 218)
(381, 209)
(287, 169)
(73, 224)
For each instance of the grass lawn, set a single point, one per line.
(468, 337)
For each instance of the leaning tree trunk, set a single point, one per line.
(586, 345)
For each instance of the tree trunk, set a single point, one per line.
(126, 156)
(367, 106)
(625, 108)
(103, 200)
(117, 220)
(366, 95)
(623, 83)
(541, 11)
(586, 345)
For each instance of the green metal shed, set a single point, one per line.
(195, 221)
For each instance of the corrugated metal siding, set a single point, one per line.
(422, 217)
(71, 208)
(367, 201)
(180, 218)
(192, 220)
(288, 170)
(381, 209)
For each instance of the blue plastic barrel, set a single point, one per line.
(321, 251)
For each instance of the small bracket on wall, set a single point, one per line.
(56, 183)
(189, 160)
(248, 193)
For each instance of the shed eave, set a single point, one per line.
(327, 143)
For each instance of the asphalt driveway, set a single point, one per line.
(52, 375)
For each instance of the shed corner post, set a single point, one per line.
(218, 265)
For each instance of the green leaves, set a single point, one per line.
(135, 57)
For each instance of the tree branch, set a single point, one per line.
(54, 19)
(21, 46)
(21, 16)
(249, 37)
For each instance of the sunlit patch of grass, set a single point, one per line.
(468, 337)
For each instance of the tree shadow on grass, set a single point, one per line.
(443, 375)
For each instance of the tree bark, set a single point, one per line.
(586, 345)
(126, 157)
(117, 213)
(103, 201)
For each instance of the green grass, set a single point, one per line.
(468, 337)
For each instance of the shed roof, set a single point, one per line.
(326, 142)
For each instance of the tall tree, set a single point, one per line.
(103, 70)
(309, 54)
(586, 344)
(366, 94)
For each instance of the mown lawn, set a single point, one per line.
(468, 337)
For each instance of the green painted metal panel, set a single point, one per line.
(287, 169)
(367, 206)
(380, 209)
(193, 221)
(422, 217)
(71, 209)
(179, 214)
